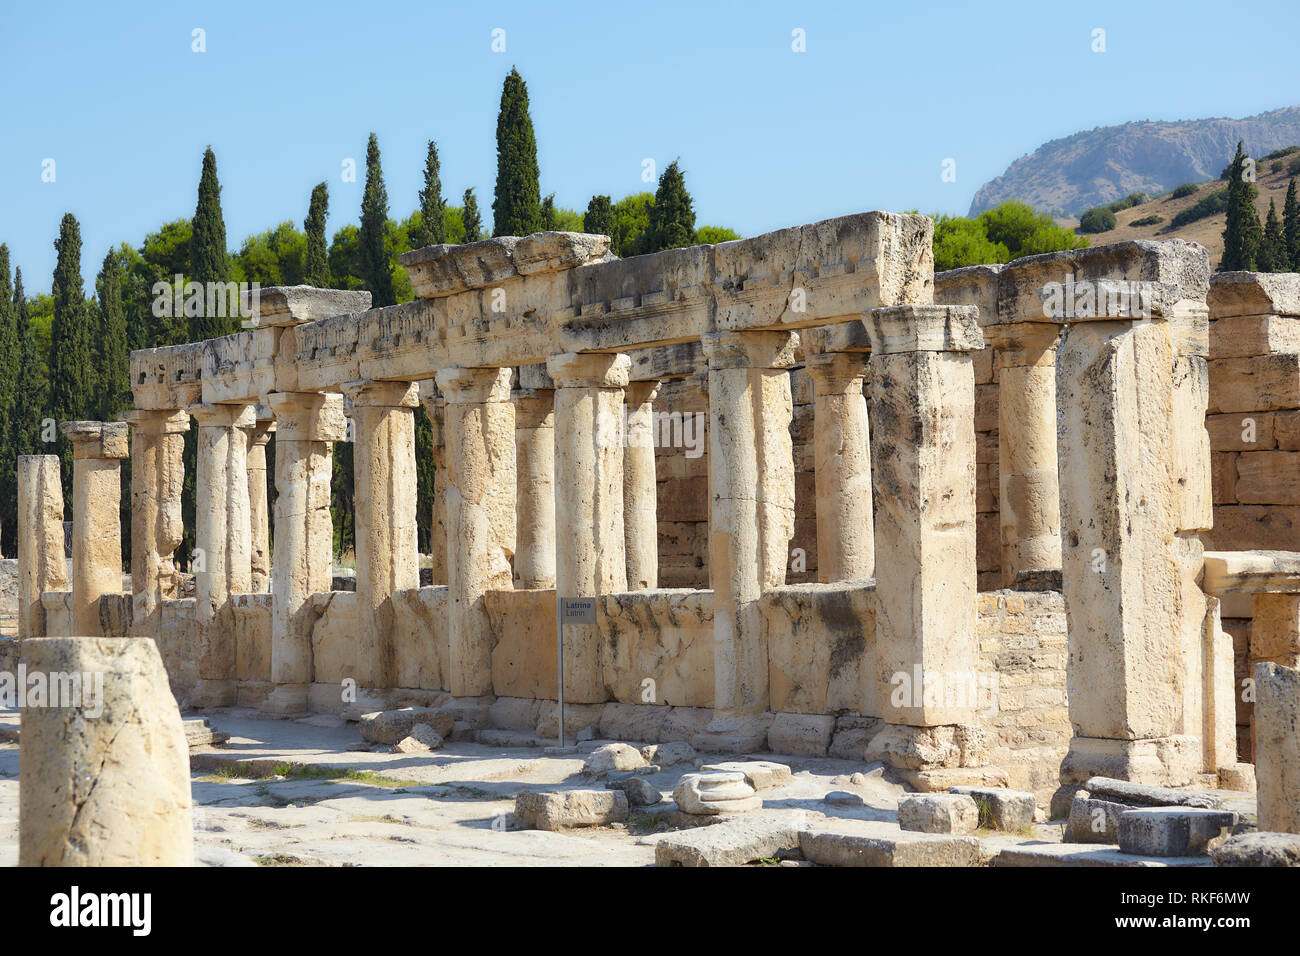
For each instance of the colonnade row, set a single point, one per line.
(541, 490)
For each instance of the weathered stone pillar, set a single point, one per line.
(435, 407)
(98, 449)
(1119, 514)
(751, 485)
(923, 457)
(387, 544)
(846, 546)
(223, 543)
(157, 478)
(480, 434)
(41, 565)
(1028, 490)
(306, 425)
(640, 493)
(588, 501)
(534, 565)
(259, 517)
(104, 777)
(1277, 747)
(700, 383)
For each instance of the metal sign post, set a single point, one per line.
(574, 609)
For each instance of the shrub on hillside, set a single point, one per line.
(1284, 151)
(1097, 219)
(1215, 202)
(1148, 221)
(1128, 202)
(1186, 189)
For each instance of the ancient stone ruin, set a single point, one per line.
(999, 528)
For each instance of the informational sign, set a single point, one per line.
(575, 610)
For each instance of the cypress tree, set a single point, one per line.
(549, 219)
(1272, 250)
(8, 389)
(29, 401)
(1241, 233)
(473, 221)
(672, 217)
(516, 207)
(432, 208)
(72, 372)
(208, 259)
(317, 266)
(599, 218)
(112, 360)
(378, 274)
(1291, 227)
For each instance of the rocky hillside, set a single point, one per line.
(1067, 176)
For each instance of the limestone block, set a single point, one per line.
(1145, 795)
(759, 774)
(666, 754)
(1233, 431)
(1272, 527)
(632, 722)
(1173, 831)
(906, 850)
(640, 793)
(852, 742)
(938, 813)
(577, 718)
(1258, 849)
(820, 643)
(744, 733)
(713, 793)
(656, 646)
(683, 723)
(612, 757)
(41, 566)
(1007, 810)
(1259, 383)
(1253, 293)
(420, 637)
(390, 726)
(280, 306)
(1268, 477)
(570, 808)
(730, 843)
(808, 734)
(1093, 820)
(104, 780)
(947, 746)
(1237, 776)
(1277, 747)
(1247, 335)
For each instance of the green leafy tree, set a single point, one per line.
(209, 261)
(1291, 226)
(1272, 249)
(72, 368)
(29, 400)
(630, 235)
(112, 361)
(317, 268)
(275, 257)
(516, 206)
(432, 207)
(1242, 234)
(1097, 219)
(473, 222)
(549, 216)
(672, 217)
(599, 217)
(712, 235)
(959, 241)
(377, 271)
(1009, 231)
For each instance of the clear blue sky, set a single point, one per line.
(768, 137)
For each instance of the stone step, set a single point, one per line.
(1074, 854)
(1173, 831)
(883, 848)
(731, 843)
(1143, 795)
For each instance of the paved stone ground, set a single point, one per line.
(305, 799)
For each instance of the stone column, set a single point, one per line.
(640, 493)
(388, 552)
(591, 558)
(307, 424)
(259, 518)
(1119, 514)
(41, 564)
(751, 487)
(223, 543)
(846, 546)
(700, 383)
(435, 407)
(923, 455)
(157, 478)
(1277, 747)
(535, 496)
(480, 435)
(1028, 491)
(98, 449)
